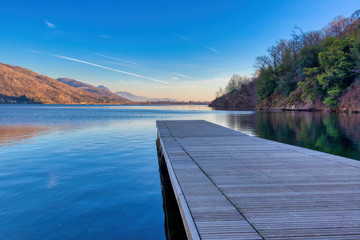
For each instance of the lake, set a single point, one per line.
(91, 172)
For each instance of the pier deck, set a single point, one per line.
(229, 185)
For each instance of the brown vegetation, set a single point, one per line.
(350, 100)
(17, 82)
(104, 92)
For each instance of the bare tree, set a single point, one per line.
(275, 56)
(312, 38)
(303, 38)
(243, 80)
(236, 82)
(355, 16)
(232, 84)
(219, 93)
(336, 26)
(262, 62)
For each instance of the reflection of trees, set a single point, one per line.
(349, 122)
(242, 122)
(325, 132)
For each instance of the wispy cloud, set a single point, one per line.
(118, 59)
(182, 75)
(120, 64)
(49, 24)
(108, 68)
(195, 42)
(97, 65)
(135, 65)
(202, 83)
(104, 36)
(33, 51)
(182, 37)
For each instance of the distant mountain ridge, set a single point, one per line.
(136, 98)
(23, 85)
(101, 90)
(103, 87)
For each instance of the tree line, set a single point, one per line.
(316, 65)
(235, 83)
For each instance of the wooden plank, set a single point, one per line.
(233, 186)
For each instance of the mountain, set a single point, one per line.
(136, 98)
(102, 91)
(103, 87)
(19, 84)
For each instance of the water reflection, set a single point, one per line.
(335, 133)
(244, 123)
(16, 134)
(93, 169)
(174, 228)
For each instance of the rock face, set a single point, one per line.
(242, 98)
(350, 100)
(16, 82)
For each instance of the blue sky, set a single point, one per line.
(180, 49)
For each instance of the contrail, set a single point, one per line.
(183, 75)
(117, 59)
(112, 69)
(197, 43)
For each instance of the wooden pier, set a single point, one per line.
(229, 185)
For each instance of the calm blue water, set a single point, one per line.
(91, 172)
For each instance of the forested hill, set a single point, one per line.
(21, 85)
(238, 94)
(313, 70)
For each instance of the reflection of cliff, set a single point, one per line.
(320, 131)
(350, 124)
(15, 134)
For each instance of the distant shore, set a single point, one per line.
(15, 100)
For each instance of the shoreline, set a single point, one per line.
(111, 104)
(307, 110)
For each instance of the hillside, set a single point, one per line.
(18, 83)
(101, 90)
(315, 70)
(103, 87)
